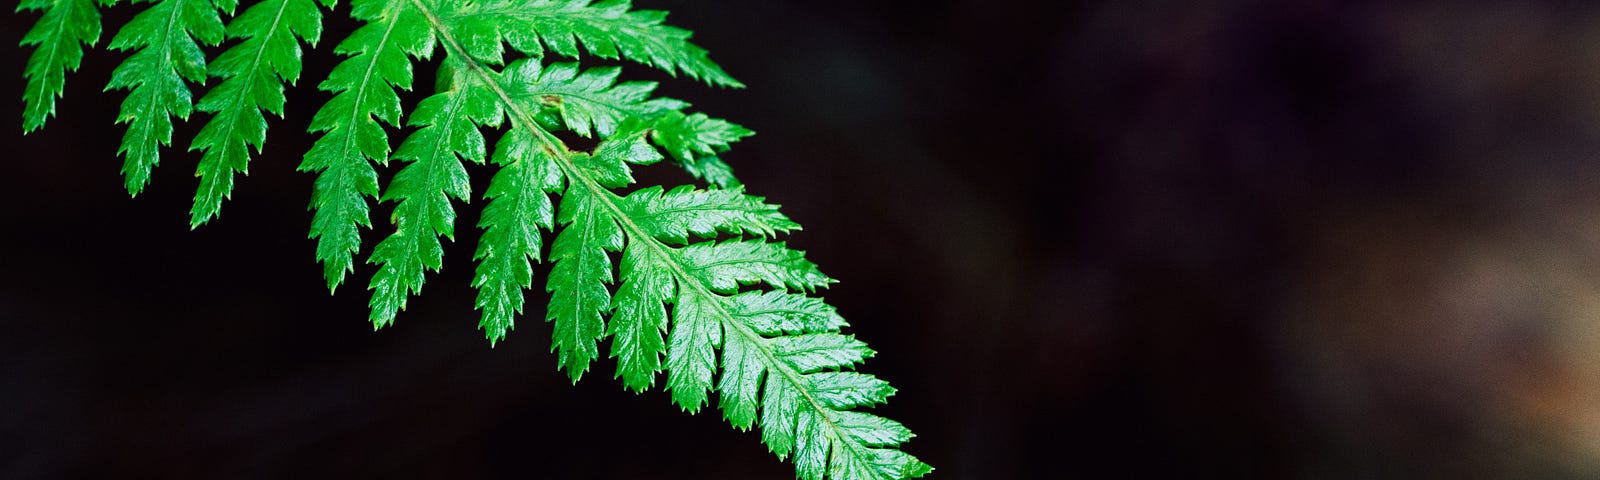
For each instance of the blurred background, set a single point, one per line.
(1225, 239)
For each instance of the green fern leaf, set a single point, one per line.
(352, 137)
(165, 36)
(424, 188)
(641, 316)
(253, 73)
(592, 102)
(842, 390)
(638, 327)
(692, 353)
(695, 140)
(727, 265)
(577, 283)
(582, 270)
(739, 387)
(519, 206)
(816, 352)
(674, 215)
(806, 392)
(587, 103)
(705, 291)
(778, 339)
(606, 29)
(780, 313)
(59, 37)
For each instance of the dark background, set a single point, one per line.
(1296, 239)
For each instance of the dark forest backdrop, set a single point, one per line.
(1226, 239)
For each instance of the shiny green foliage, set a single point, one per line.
(783, 360)
(688, 287)
(695, 141)
(728, 265)
(582, 269)
(59, 37)
(783, 363)
(167, 55)
(448, 133)
(587, 102)
(352, 137)
(253, 72)
(592, 103)
(606, 29)
(519, 207)
(673, 215)
(578, 294)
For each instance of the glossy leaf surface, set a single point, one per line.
(58, 37)
(253, 74)
(165, 39)
(691, 288)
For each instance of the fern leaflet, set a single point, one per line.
(578, 295)
(608, 29)
(673, 215)
(352, 138)
(592, 102)
(519, 207)
(59, 35)
(424, 188)
(253, 73)
(588, 102)
(695, 140)
(155, 76)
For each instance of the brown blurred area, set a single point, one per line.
(1297, 239)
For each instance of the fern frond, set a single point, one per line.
(59, 37)
(590, 102)
(352, 137)
(253, 72)
(705, 291)
(424, 188)
(808, 400)
(781, 350)
(165, 36)
(606, 29)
